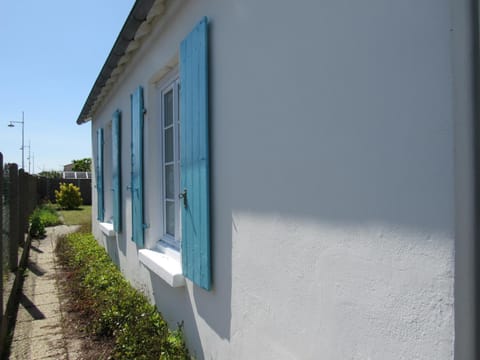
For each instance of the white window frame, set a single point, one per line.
(106, 226)
(172, 83)
(164, 258)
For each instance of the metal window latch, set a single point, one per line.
(183, 195)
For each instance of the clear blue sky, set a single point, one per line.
(52, 52)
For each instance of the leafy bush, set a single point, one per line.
(116, 309)
(44, 215)
(68, 196)
(37, 227)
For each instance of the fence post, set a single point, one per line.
(32, 195)
(28, 200)
(34, 189)
(22, 209)
(1, 238)
(14, 217)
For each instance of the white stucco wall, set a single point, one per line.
(332, 179)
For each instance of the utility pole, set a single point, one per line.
(12, 124)
(28, 156)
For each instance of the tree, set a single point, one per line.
(82, 165)
(51, 174)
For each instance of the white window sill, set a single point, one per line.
(166, 267)
(107, 228)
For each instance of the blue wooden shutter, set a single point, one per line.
(117, 171)
(194, 156)
(137, 166)
(99, 173)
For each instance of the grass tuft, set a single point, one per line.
(47, 214)
(80, 216)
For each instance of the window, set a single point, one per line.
(170, 120)
(116, 171)
(107, 177)
(99, 175)
(184, 247)
(165, 258)
(107, 173)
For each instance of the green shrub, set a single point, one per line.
(68, 196)
(42, 216)
(114, 307)
(37, 227)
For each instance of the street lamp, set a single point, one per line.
(23, 137)
(28, 155)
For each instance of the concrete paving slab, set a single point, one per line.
(43, 329)
(56, 354)
(43, 289)
(55, 357)
(41, 312)
(39, 300)
(39, 332)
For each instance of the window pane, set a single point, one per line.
(177, 119)
(169, 182)
(168, 103)
(169, 145)
(170, 217)
(178, 142)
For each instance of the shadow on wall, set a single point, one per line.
(339, 155)
(112, 249)
(214, 306)
(345, 173)
(122, 242)
(192, 304)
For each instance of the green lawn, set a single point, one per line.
(82, 216)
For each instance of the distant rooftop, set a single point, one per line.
(76, 175)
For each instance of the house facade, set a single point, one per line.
(293, 180)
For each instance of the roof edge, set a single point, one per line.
(135, 18)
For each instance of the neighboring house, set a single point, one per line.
(68, 167)
(293, 180)
(68, 173)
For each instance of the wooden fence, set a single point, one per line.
(18, 198)
(20, 193)
(46, 188)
